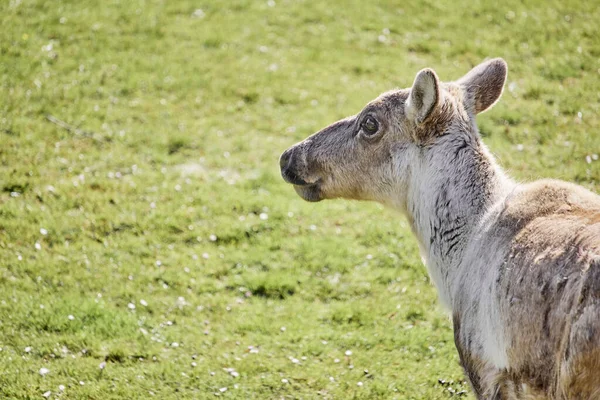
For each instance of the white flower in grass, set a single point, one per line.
(199, 13)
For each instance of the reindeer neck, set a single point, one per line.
(457, 182)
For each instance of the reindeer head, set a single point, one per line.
(372, 155)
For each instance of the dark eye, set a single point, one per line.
(370, 126)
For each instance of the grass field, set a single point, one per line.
(148, 246)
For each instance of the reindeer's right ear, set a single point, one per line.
(424, 96)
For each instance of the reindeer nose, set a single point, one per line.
(289, 169)
(285, 158)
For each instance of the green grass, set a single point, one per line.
(166, 189)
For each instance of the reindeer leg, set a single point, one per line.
(485, 380)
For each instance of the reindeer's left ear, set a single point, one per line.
(424, 95)
(484, 84)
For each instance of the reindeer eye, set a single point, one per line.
(370, 126)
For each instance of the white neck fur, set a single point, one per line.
(450, 190)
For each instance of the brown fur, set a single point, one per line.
(550, 298)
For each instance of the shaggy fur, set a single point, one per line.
(518, 265)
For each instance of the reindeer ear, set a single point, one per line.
(484, 84)
(424, 95)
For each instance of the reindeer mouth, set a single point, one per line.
(292, 177)
(310, 191)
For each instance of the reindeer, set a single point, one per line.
(517, 264)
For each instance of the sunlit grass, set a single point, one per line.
(143, 222)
